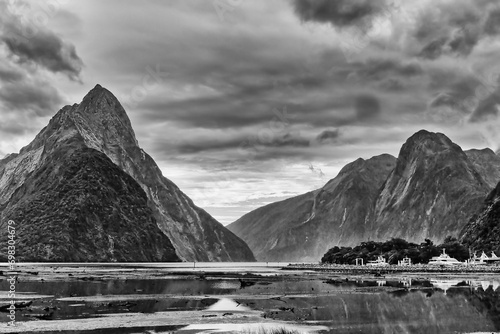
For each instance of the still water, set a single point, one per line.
(302, 301)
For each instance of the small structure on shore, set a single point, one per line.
(484, 259)
(406, 261)
(379, 262)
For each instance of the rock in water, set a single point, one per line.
(99, 122)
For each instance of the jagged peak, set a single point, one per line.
(100, 113)
(99, 94)
(424, 134)
(427, 142)
(424, 146)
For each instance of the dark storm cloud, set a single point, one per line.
(459, 43)
(340, 12)
(242, 105)
(454, 28)
(456, 94)
(487, 108)
(386, 74)
(29, 52)
(10, 74)
(381, 68)
(367, 107)
(492, 25)
(14, 127)
(47, 50)
(433, 49)
(35, 44)
(328, 136)
(244, 144)
(34, 96)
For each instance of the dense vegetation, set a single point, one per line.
(395, 250)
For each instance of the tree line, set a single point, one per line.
(395, 250)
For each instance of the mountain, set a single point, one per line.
(487, 164)
(100, 123)
(430, 191)
(80, 207)
(482, 232)
(305, 227)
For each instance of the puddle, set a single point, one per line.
(226, 304)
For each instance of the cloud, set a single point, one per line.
(328, 136)
(250, 143)
(367, 107)
(339, 13)
(35, 44)
(492, 24)
(47, 50)
(35, 96)
(453, 27)
(9, 73)
(487, 108)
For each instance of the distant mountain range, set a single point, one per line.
(430, 191)
(83, 190)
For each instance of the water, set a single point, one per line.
(222, 298)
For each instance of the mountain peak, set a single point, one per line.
(101, 120)
(427, 143)
(427, 135)
(99, 94)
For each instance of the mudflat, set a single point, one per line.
(246, 298)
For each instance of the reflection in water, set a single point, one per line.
(343, 305)
(226, 304)
(250, 328)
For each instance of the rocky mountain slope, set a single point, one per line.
(306, 226)
(100, 122)
(482, 233)
(81, 207)
(487, 164)
(430, 191)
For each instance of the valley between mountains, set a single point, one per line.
(84, 191)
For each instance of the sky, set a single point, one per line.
(246, 102)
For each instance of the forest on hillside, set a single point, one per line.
(395, 250)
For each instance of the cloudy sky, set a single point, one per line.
(245, 102)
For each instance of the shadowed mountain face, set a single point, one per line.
(100, 122)
(482, 233)
(430, 191)
(487, 164)
(306, 226)
(80, 207)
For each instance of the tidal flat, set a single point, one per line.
(246, 298)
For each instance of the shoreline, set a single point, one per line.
(297, 296)
(393, 269)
